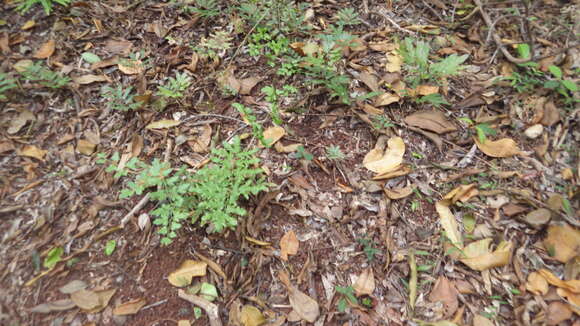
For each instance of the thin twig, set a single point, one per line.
(395, 25)
(210, 309)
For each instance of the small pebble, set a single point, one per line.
(534, 131)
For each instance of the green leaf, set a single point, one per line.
(570, 85)
(197, 312)
(483, 130)
(53, 257)
(208, 291)
(449, 66)
(556, 71)
(110, 247)
(341, 305)
(524, 51)
(90, 57)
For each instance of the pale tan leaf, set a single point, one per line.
(365, 283)
(104, 298)
(286, 148)
(201, 143)
(58, 305)
(399, 193)
(571, 285)
(401, 170)
(251, 316)
(131, 67)
(32, 151)
(562, 242)
(380, 162)
(183, 322)
(537, 284)
(386, 99)
(538, 218)
(186, 272)
(289, 245)
(274, 134)
(369, 109)
(73, 286)
(462, 193)
(394, 62)
(163, 124)
(247, 84)
(370, 80)
(304, 306)
(573, 299)
(122, 47)
(20, 121)
(479, 257)
(449, 223)
(504, 147)
(229, 82)
(46, 50)
(86, 147)
(430, 120)
(557, 313)
(445, 291)
(89, 79)
(425, 90)
(22, 65)
(479, 320)
(28, 25)
(85, 299)
(130, 307)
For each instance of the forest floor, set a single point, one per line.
(406, 163)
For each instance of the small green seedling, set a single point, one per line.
(25, 5)
(348, 296)
(38, 73)
(334, 153)
(175, 87)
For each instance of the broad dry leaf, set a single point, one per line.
(46, 50)
(430, 120)
(504, 147)
(286, 148)
(247, 84)
(251, 316)
(89, 79)
(479, 257)
(394, 62)
(28, 25)
(86, 147)
(380, 162)
(449, 223)
(183, 322)
(462, 193)
(386, 99)
(131, 67)
(163, 124)
(562, 242)
(129, 308)
(58, 305)
(370, 80)
(200, 144)
(365, 283)
(537, 284)
(85, 299)
(401, 170)
(33, 151)
(369, 109)
(303, 305)
(20, 121)
(73, 286)
(186, 272)
(274, 134)
(425, 90)
(571, 285)
(479, 320)
(22, 65)
(557, 313)
(573, 299)
(399, 193)
(289, 245)
(228, 81)
(445, 291)
(104, 298)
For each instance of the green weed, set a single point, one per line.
(119, 98)
(348, 295)
(6, 83)
(334, 153)
(257, 129)
(368, 248)
(175, 87)
(25, 5)
(38, 73)
(273, 96)
(215, 46)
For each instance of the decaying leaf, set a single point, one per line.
(382, 162)
(462, 193)
(129, 308)
(306, 307)
(131, 67)
(274, 134)
(186, 272)
(89, 79)
(85, 299)
(163, 124)
(562, 242)
(449, 223)
(288, 245)
(73, 286)
(558, 312)
(478, 256)
(365, 283)
(46, 50)
(425, 90)
(58, 305)
(537, 284)
(20, 121)
(401, 170)
(479, 320)
(445, 291)
(571, 285)
(33, 151)
(394, 62)
(86, 147)
(251, 316)
(430, 120)
(399, 193)
(386, 99)
(504, 147)
(247, 84)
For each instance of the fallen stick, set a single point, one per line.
(210, 309)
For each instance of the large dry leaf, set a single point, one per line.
(46, 50)
(445, 291)
(479, 257)
(129, 308)
(394, 62)
(562, 242)
(479, 320)
(306, 307)
(504, 147)
(399, 193)
(85, 299)
(247, 84)
(89, 79)
(571, 285)
(20, 121)
(430, 120)
(462, 193)
(274, 134)
(449, 223)
(251, 316)
(200, 144)
(289, 245)
(104, 298)
(573, 299)
(228, 81)
(537, 284)
(401, 170)
(163, 124)
(73, 286)
(186, 272)
(33, 151)
(122, 47)
(365, 283)
(86, 147)
(382, 162)
(58, 305)
(425, 90)
(370, 80)
(131, 67)
(386, 99)
(557, 313)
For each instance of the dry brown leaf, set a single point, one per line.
(303, 305)
(73, 286)
(537, 284)
(58, 305)
(445, 291)
(430, 120)
(462, 193)
(479, 320)
(573, 299)
(131, 67)
(163, 124)
(562, 242)
(504, 147)
(449, 223)
(85, 299)
(538, 218)
(370, 80)
(104, 298)
(28, 25)
(183, 322)
(122, 47)
(247, 84)
(33, 151)
(89, 79)
(399, 171)
(251, 316)
(289, 245)
(399, 193)
(551, 114)
(186, 272)
(369, 109)
(286, 148)
(201, 143)
(46, 50)
(571, 285)
(557, 313)
(274, 134)
(228, 81)
(425, 90)
(386, 99)
(20, 121)
(85, 147)
(477, 255)
(129, 308)
(382, 162)
(365, 283)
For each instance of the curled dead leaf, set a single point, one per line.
(562, 242)
(449, 223)
(45, 50)
(430, 120)
(163, 124)
(274, 134)
(399, 193)
(186, 272)
(33, 151)
(504, 147)
(304, 306)
(478, 256)
(537, 284)
(129, 308)
(386, 99)
(251, 316)
(382, 162)
(289, 245)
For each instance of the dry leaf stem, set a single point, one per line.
(412, 280)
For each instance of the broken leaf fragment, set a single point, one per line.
(444, 291)
(85, 299)
(288, 245)
(33, 151)
(45, 50)
(449, 223)
(537, 284)
(186, 272)
(58, 305)
(273, 134)
(365, 283)
(478, 255)
(380, 161)
(130, 307)
(504, 147)
(163, 124)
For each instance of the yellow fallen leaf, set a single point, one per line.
(85, 147)
(479, 257)
(562, 242)
(33, 151)
(163, 124)
(89, 79)
(365, 283)
(303, 305)
(85, 299)
(274, 134)
(186, 272)
(449, 223)
(573, 299)
(504, 147)
(386, 99)
(394, 62)
(572, 285)
(130, 307)
(251, 316)
(28, 25)
(399, 171)
(425, 90)
(380, 162)
(462, 193)
(537, 284)
(131, 67)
